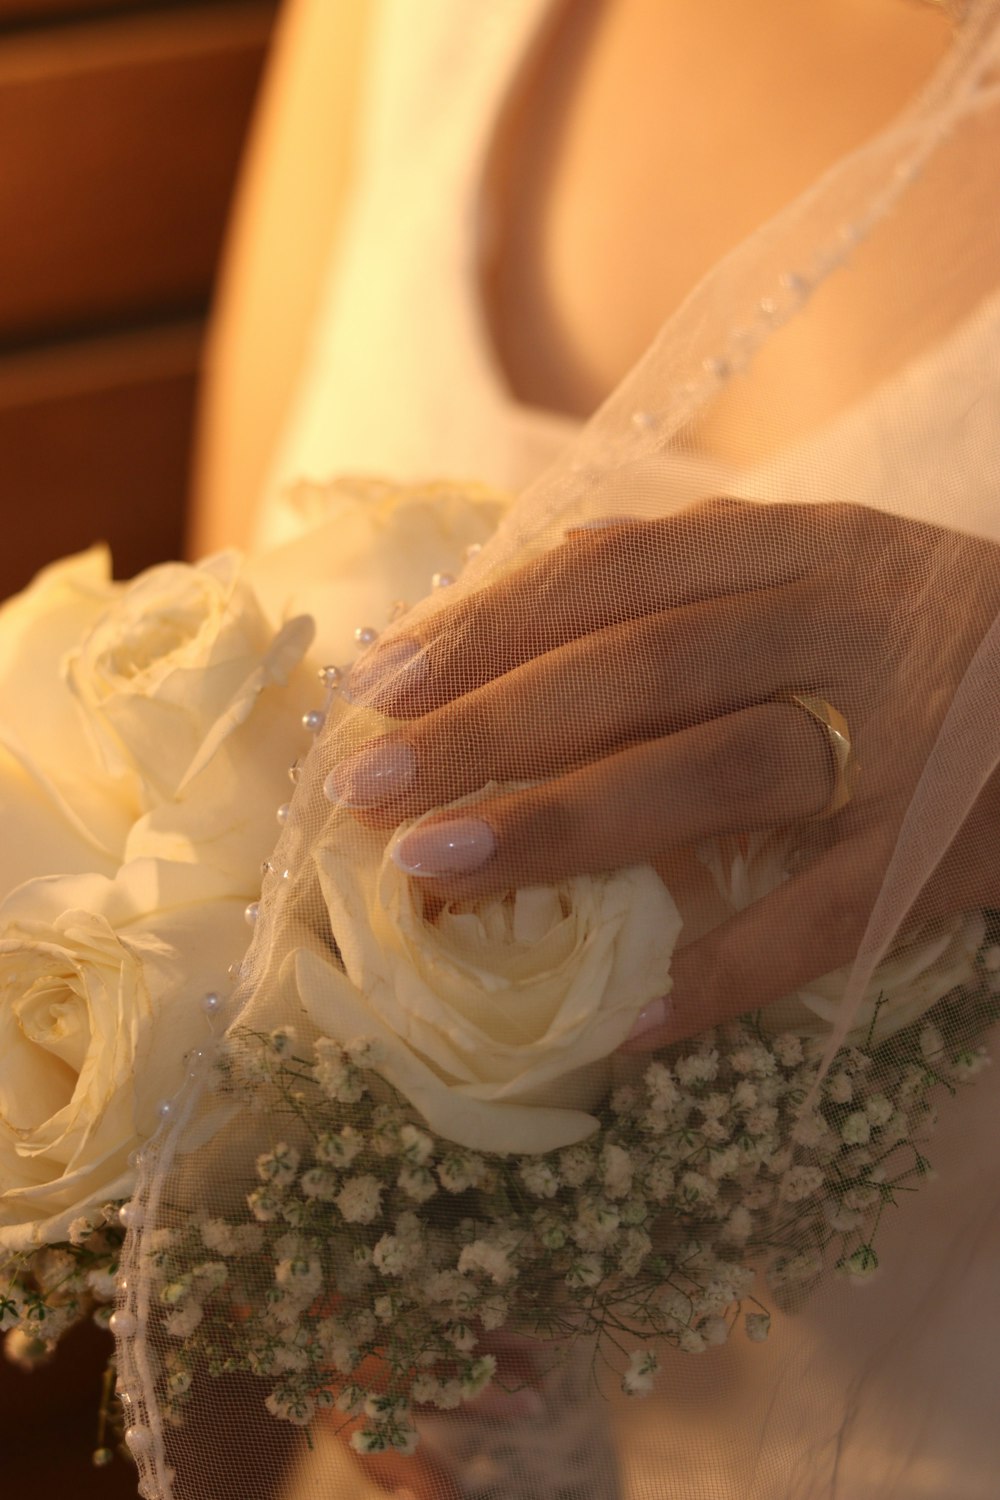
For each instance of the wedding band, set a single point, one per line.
(838, 738)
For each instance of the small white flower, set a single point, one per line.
(341, 1149)
(395, 1256)
(617, 1171)
(183, 1321)
(360, 1199)
(460, 1171)
(738, 1227)
(663, 1091)
(477, 1375)
(278, 1166)
(695, 1189)
(491, 1259)
(642, 1368)
(800, 1182)
(861, 1265)
(698, 1069)
(539, 1177)
(839, 1089)
(415, 1146)
(856, 1129)
(714, 1331)
(878, 1109)
(301, 1276)
(758, 1326)
(787, 1048)
(231, 1239)
(577, 1165)
(417, 1183)
(319, 1184)
(586, 1270)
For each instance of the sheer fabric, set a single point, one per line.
(845, 357)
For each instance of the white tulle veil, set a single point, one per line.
(850, 352)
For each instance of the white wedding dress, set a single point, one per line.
(881, 1393)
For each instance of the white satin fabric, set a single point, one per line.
(881, 1393)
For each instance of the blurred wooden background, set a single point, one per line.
(121, 126)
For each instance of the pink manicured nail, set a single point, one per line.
(375, 774)
(397, 667)
(651, 1018)
(452, 848)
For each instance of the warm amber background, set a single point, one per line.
(121, 125)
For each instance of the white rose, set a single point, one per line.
(360, 547)
(496, 1021)
(171, 682)
(923, 968)
(62, 811)
(100, 989)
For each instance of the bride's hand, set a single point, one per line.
(632, 674)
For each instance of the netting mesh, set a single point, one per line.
(417, 1167)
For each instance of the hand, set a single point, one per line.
(631, 674)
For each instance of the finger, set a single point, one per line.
(595, 579)
(807, 926)
(759, 768)
(631, 682)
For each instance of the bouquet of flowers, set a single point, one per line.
(444, 1142)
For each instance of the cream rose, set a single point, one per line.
(174, 665)
(921, 970)
(497, 1022)
(353, 550)
(156, 718)
(100, 989)
(68, 814)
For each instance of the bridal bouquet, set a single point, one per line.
(439, 1143)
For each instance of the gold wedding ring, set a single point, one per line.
(838, 738)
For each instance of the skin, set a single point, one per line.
(667, 691)
(806, 83)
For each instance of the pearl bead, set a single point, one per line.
(235, 972)
(768, 307)
(138, 1439)
(135, 1159)
(101, 1457)
(295, 772)
(398, 610)
(211, 1003)
(643, 421)
(473, 550)
(314, 720)
(330, 677)
(442, 580)
(165, 1109)
(123, 1324)
(366, 635)
(130, 1214)
(282, 816)
(251, 912)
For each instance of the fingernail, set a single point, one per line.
(654, 1015)
(398, 666)
(452, 848)
(375, 774)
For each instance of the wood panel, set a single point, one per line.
(119, 141)
(95, 441)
